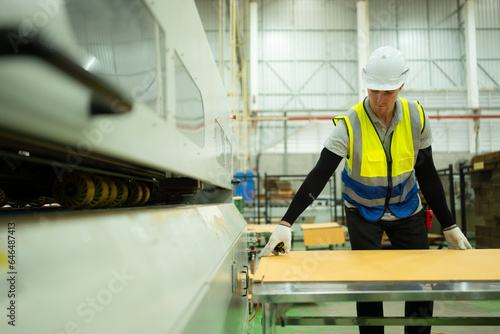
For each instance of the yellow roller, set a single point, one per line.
(146, 193)
(122, 193)
(101, 192)
(3, 198)
(113, 191)
(134, 194)
(74, 190)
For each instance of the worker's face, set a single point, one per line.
(383, 101)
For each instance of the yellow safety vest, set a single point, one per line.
(375, 180)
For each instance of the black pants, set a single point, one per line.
(408, 233)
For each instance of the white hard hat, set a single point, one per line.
(385, 70)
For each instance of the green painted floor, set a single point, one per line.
(441, 308)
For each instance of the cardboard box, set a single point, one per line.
(284, 185)
(271, 183)
(487, 236)
(308, 219)
(323, 234)
(479, 160)
(492, 221)
(282, 195)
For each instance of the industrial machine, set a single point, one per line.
(116, 172)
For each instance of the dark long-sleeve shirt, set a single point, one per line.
(425, 171)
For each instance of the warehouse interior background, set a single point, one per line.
(290, 66)
(127, 124)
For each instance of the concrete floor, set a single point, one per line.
(441, 308)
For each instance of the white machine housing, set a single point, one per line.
(123, 88)
(154, 53)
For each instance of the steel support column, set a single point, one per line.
(471, 70)
(363, 41)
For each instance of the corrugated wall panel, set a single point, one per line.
(341, 78)
(488, 46)
(380, 38)
(445, 44)
(340, 15)
(489, 140)
(277, 45)
(343, 102)
(341, 46)
(489, 98)
(383, 14)
(439, 136)
(282, 77)
(485, 136)
(309, 45)
(411, 14)
(443, 14)
(298, 38)
(414, 44)
(456, 99)
(420, 75)
(308, 57)
(315, 78)
(271, 135)
(487, 12)
(489, 73)
(489, 40)
(308, 139)
(309, 14)
(437, 99)
(458, 135)
(450, 135)
(428, 34)
(319, 102)
(276, 14)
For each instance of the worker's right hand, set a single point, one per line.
(282, 233)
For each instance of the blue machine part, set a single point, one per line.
(246, 188)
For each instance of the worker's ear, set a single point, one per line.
(402, 86)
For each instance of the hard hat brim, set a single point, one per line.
(371, 83)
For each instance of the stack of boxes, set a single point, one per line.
(285, 190)
(485, 180)
(279, 190)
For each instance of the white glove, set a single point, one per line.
(282, 233)
(456, 239)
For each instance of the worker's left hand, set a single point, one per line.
(456, 239)
(282, 233)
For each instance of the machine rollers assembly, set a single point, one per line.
(78, 190)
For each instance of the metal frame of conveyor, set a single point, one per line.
(278, 297)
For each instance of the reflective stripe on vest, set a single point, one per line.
(374, 181)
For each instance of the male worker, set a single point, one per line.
(386, 141)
